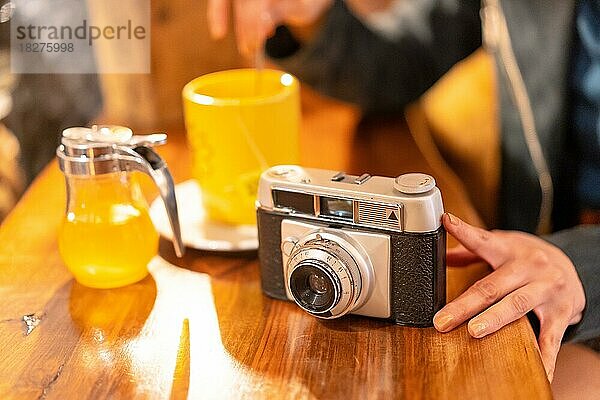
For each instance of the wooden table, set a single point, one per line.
(203, 329)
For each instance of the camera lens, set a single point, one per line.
(314, 288)
(324, 278)
(318, 283)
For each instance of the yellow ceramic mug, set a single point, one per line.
(240, 122)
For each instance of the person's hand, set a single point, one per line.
(255, 20)
(529, 274)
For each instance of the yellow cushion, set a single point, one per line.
(460, 115)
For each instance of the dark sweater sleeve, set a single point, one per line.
(348, 61)
(582, 246)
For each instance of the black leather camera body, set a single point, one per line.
(366, 245)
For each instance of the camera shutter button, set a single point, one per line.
(414, 183)
(288, 172)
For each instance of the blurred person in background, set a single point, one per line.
(11, 177)
(384, 54)
(43, 104)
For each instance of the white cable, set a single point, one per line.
(496, 35)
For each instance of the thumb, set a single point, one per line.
(549, 342)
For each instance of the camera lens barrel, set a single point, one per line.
(315, 286)
(324, 278)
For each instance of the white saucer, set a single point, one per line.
(196, 231)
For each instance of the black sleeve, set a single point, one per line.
(582, 245)
(347, 60)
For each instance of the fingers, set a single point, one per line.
(551, 333)
(481, 295)
(509, 309)
(218, 17)
(485, 244)
(459, 256)
(253, 22)
(530, 274)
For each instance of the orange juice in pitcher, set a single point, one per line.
(107, 238)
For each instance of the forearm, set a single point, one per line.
(582, 246)
(349, 61)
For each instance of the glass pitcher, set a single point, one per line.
(107, 237)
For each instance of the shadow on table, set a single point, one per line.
(82, 335)
(109, 319)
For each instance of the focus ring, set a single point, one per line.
(330, 257)
(306, 298)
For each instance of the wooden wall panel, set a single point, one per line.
(181, 50)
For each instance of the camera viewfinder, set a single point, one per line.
(294, 201)
(336, 208)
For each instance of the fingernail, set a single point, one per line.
(442, 321)
(453, 219)
(477, 329)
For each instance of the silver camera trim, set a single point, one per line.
(419, 212)
(371, 252)
(356, 210)
(354, 289)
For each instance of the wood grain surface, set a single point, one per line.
(200, 328)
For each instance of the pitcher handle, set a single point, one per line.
(156, 167)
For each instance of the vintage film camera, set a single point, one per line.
(366, 245)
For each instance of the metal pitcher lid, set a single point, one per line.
(102, 149)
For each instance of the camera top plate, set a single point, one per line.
(409, 203)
